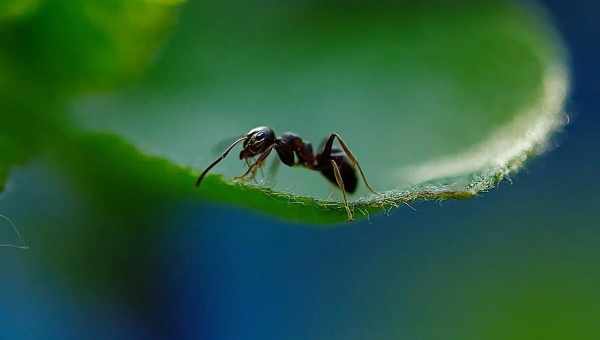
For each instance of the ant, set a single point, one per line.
(336, 165)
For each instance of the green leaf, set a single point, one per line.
(126, 182)
(15, 9)
(436, 102)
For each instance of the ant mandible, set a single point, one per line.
(336, 165)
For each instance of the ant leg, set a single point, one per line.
(328, 147)
(262, 173)
(272, 174)
(252, 169)
(350, 155)
(330, 195)
(340, 182)
(249, 162)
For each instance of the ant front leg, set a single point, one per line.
(327, 150)
(256, 165)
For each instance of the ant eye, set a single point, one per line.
(259, 137)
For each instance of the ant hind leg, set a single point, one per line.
(328, 149)
(340, 183)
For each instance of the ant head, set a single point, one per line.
(257, 141)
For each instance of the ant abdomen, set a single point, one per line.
(347, 171)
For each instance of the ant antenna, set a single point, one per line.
(219, 159)
(16, 230)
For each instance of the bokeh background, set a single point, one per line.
(519, 262)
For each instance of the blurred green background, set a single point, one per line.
(121, 247)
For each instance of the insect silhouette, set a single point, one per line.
(338, 166)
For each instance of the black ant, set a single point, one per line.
(336, 165)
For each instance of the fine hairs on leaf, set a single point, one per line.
(16, 231)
